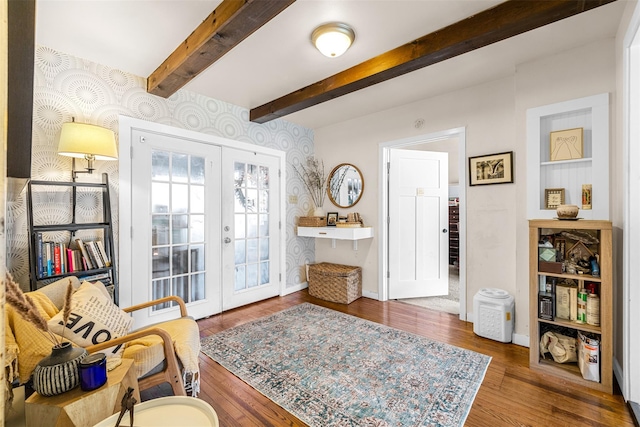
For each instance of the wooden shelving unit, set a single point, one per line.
(604, 331)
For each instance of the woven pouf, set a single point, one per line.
(335, 282)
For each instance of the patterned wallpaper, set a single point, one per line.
(68, 87)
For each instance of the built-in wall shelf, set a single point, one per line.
(337, 233)
(591, 114)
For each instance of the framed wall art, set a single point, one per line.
(332, 219)
(553, 197)
(566, 144)
(491, 169)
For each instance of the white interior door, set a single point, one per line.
(418, 224)
(176, 224)
(251, 227)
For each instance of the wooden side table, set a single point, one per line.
(83, 408)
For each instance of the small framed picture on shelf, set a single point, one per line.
(565, 144)
(553, 197)
(491, 169)
(332, 219)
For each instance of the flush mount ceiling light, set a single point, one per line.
(333, 39)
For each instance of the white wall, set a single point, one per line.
(494, 116)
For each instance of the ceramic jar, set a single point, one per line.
(567, 211)
(58, 372)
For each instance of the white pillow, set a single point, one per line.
(103, 289)
(94, 319)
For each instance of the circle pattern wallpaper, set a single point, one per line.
(69, 88)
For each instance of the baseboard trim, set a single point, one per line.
(295, 288)
(618, 372)
(521, 340)
(634, 408)
(369, 294)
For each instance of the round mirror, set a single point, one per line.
(345, 185)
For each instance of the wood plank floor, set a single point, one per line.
(511, 394)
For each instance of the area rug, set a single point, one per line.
(331, 369)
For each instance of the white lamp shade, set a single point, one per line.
(333, 39)
(80, 140)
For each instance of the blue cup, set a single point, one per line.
(93, 371)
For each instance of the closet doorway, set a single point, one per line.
(453, 142)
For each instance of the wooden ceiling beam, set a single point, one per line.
(501, 22)
(230, 23)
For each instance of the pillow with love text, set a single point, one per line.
(94, 319)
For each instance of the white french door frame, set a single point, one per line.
(125, 251)
(383, 209)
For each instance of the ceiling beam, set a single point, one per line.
(501, 22)
(230, 23)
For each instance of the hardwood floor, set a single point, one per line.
(511, 394)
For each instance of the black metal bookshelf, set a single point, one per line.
(38, 278)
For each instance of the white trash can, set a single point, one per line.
(493, 311)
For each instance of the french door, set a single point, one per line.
(205, 225)
(176, 224)
(251, 227)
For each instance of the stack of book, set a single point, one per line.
(54, 259)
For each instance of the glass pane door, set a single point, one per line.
(177, 226)
(251, 217)
(175, 239)
(250, 227)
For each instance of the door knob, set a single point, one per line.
(226, 228)
(227, 240)
(444, 230)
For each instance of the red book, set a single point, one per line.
(57, 265)
(70, 264)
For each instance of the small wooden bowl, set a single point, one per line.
(567, 211)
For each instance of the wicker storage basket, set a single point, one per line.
(335, 282)
(312, 221)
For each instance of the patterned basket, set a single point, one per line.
(312, 221)
(335, 282)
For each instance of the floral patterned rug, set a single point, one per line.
(332, 369)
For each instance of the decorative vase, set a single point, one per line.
(318, 211)
(567, 211)
(58, 372)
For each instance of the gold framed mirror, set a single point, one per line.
(345, 185)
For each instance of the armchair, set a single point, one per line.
(164, 352)
(170, 371)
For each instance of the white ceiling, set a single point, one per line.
(137, 35)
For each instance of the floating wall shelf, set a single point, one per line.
(337, 233)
